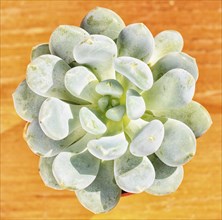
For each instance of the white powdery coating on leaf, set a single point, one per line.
(135, 71)
(45, 171)
(26, 102)
(148, 140)
(179, 144)
(45, 77)
(75, 171)
(136, 41)
(97, 52)
(39, 50)
(63, 40)
(135, 105)
(97, 197)
(110, 87)
(90, 122)
(168, 184)
(133, 174)
(108, 148)
(44, 146)
(103, 21)
(166, 42)
(81, 83)
(173, 90)
(175, 60)
(58, 119)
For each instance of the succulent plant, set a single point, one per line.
(109, 109)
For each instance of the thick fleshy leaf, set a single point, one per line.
(103, 21)
(108, 148)
(26, 102)
(90, 122)
(81, 83)
(81, 144)
(135, 105)
(133, 127)
(179, 144)
(98, 53)
(168, 185)
(103, 194)
(161, 169)
(116, 113)
(172, 61)
(39, 50)
(149, 116)
(103, 103)
(45, 76)
(75, 171)
(135, 70)
(58, 119)
(110, 87)
(133, 174)
(166, 42)
(45, 171)
(63, 40)
(136, 40)
(148, 140)
(44, 146)
(114, 127)
(193, 115)
(115, 102)
(173, 90)
(167, 180)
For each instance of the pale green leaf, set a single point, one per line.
(148, 140)
(114, 127)
(166, 42)
(81, 83)
(103, 194)
(81, 144)
(90, 122)
(98, 53)
(110, 87)
(137, 41)
(173, 90)
(135, 105)
(26, 102)
(149, 116)
(115, 102)
(172, 61)
(133, 127)
(133, 174)
(179, 144)
(58, 119)
(193, 115)
(63, 40)
(44, 146)
(116, 113)
(103, 21)
(161, 169)
(103, 103)
(45, 171)
(135, 71)
(39, 50)
(108, 147)
(167, 180)
(45, 77)
(75, 171)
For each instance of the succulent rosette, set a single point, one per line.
(109, 109)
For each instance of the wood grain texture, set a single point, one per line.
(27, 23)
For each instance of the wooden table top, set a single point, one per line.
(27, 23)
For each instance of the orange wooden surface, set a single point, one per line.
(27, 23)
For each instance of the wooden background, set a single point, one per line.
(27, 23)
